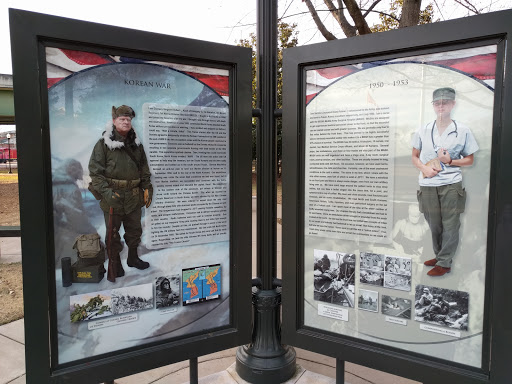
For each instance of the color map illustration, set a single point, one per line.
(201, 284)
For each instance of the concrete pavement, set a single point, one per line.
(214, 368)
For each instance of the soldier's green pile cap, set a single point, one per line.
(123, 110)
(444, 94)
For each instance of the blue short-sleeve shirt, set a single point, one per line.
(456, 138)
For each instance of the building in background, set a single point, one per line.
(7, 127)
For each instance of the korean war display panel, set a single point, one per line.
(152, 139)
(385, 141)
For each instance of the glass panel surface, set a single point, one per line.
(397, 168)
(151, 139)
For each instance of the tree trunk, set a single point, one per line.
(355, 12)
(337, 13)
(410, 13)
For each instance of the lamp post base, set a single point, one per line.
(255, 369)
(265, 360)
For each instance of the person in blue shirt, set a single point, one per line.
(439, 151)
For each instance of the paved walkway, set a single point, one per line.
(214, 368)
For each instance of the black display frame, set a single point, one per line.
(30, 33)
(494, 28)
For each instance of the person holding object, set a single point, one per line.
(439, 151)
(122, 181)
(425, 298)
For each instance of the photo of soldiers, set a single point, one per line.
(439, 151)
(400, 265)
(441, 306)
(132, 299)
(409, 233)
(371, 268)
(371, 277)
(121, 179)
(69, 212)
(334, 277)
(397, 281)
(167, 291)
(368, 300)
(424, 299)
(396, 307)
(385, 271)
(373, 261)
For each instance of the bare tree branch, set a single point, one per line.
(337, 13)
(321, 27)
(320, 10)
(470, 7)
(371, 8)
(439, 9)
(355, 12)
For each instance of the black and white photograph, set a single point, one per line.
(167, 291)
(372, 261)
(396, 306)
(371, 268)
(334, 277)
(368, 300)
(132, 299)
(400, 265)
(371, 277)
(441, 306)
(385, 271)
(397, 281)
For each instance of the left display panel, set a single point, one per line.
(141, 167)
(135, 133)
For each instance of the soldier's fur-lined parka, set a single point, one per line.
(110, 160)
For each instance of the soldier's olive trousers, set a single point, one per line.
(442, 207)
(132, 230)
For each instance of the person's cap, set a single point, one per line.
(426, 290)
(123, 110)
(443, 94)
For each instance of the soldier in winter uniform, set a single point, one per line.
(120, 174)
(165, 297)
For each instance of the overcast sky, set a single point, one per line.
(210, 20)
(222, 21)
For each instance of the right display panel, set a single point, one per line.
(396, 201)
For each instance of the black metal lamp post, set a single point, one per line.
(265, 360)
(9, 146)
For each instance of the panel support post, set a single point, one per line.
(194, 371)
(265, 360)
(340, 371)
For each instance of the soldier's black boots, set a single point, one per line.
(134, 261)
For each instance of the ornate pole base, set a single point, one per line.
(265, 360)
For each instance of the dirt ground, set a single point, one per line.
(11, 281)
(9, 202)
(11, 293)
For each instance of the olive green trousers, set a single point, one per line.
(442, 207)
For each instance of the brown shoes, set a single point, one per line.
(431, 262)
(438, 271)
